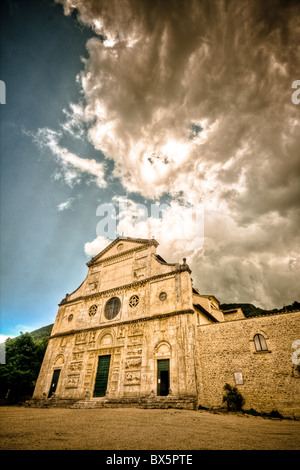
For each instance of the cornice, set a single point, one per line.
(121, 323)
(122, 254)
(125, 286)
(203, 310)
(143, 244)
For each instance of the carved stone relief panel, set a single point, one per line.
(72, 381)
(79, 347)
(92, 338)
(135, 339)
(89, 369)
(75, 366)
(121, 331)
(81, 337)
(132, 377)
(136, 329)
(77, 355)
(134, 350)
(132, 363)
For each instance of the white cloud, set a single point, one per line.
(96, 246)
(72, 166)
(65, 205)
(178, 228)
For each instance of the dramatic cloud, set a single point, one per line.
(178, 228)
(193, 98)
(175, 95)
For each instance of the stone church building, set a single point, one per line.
(136, 332)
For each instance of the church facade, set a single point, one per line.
(136, 332)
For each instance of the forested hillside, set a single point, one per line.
(253, 311)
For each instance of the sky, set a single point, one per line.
(171, 119)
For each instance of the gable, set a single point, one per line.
(121, 245)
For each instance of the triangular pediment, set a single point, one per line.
(122, 245)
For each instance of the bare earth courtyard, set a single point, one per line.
(24, 428)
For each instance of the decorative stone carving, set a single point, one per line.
(92, 336)
(75, 366)
(93, 310)
(77, 356)
(136, 328)
(81, 337)
(72, 381)
(133, 363)
(134, 301)
(136, 339)
(134, 351)
(132, 377)
(121, 331)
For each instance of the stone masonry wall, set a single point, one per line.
(271, 381)
(135, 348)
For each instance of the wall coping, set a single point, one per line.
(259, 317)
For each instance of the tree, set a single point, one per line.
(23, 361)
(234, 400)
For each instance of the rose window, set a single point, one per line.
(112, 308)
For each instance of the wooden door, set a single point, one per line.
(102, 376)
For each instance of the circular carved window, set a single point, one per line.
(134, 300)
(112, 308)
(93, 310)
(120, 247)
(162, 296)
(70, 317)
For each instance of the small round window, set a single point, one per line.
(162, 296)
(93, 310)
(112, 308)
(134, 300)
(70, 317)
(120, 247)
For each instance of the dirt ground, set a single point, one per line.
(139, 429)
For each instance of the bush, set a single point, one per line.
(23, 361)
(234, 400)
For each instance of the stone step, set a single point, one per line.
(92, 403)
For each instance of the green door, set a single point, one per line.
(54, 382)
(102, 376)
(163, 377)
